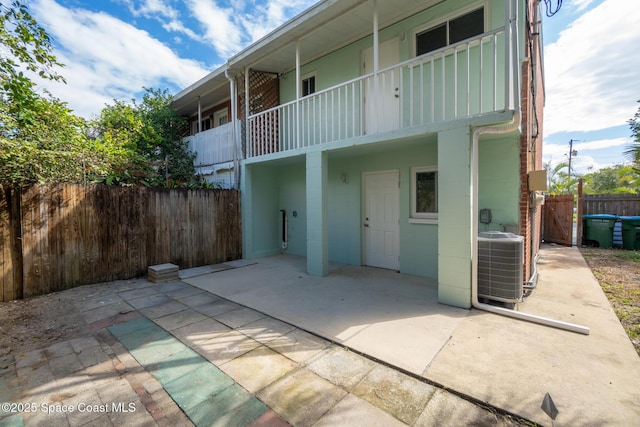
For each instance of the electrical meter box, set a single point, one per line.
(538, 180)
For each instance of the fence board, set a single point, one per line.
(74, 235)
(625, 205)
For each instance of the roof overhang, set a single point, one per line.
(209, 90)
(326, 26)
(321, 29)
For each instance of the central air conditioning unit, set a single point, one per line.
(500, 260)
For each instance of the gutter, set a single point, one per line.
(496, 130)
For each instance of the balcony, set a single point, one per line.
(215, 145)
(472, 78)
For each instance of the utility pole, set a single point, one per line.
(572, 154)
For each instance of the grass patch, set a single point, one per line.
(618, 273)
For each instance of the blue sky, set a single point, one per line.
(112, 48)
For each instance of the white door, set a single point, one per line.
(387, 114)
(381, 219)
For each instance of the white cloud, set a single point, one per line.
(581, 4)
(271, 15)
(229, 29)
(591, 71)
(220, 26)
(107, 58)
(151, 8)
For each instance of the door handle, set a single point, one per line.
(366, 225)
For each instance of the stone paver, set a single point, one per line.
(226, 347)
(258, 368)
(179, 319)
(342, 367)
(171, 354)
(298, 345)
(448, 409)
(266, 329)
(301, 397)
(356, 412)
(402, 396)
(239, 317)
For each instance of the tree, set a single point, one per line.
(613, 180)
(558, 180)
(146, 140)
(26, 46)
(633, 151)
(41, 141)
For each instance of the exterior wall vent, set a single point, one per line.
(500, 260)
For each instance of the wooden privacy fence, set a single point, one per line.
(57, 237)
(616, 204)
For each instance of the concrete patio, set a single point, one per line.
(268, 349)
(510, 364)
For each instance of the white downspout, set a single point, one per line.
(474, 247)
(234, 136)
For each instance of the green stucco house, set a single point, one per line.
(373, 132)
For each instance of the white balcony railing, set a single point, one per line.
(464, 80)
(215, 145)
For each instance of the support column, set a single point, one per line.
(317, 231)
(246, 201)
(454, 217)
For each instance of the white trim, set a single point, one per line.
(422, 217)
(423, 221)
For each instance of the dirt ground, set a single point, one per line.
(38, 322)
(618, 272)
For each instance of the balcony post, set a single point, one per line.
(199, 116)
(298, 90)
(511, 55)
(376, 59)
(246, 113)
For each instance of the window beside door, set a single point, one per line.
(424, 195)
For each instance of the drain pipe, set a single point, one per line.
(474, 246)
(234, 118)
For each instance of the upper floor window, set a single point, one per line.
(308, 85)
(450, 32)
(221, 117)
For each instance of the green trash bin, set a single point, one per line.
(598, 229)
(630, 232)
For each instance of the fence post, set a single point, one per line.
(579, 215)
(12, 196)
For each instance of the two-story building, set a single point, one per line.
(372, 132)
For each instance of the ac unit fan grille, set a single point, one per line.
(500, 259)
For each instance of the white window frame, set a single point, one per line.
(224, 112)
(307, 77)
(449, 17)
(422, 217)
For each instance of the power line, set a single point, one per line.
(551, 9)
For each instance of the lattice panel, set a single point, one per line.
(264, 94)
